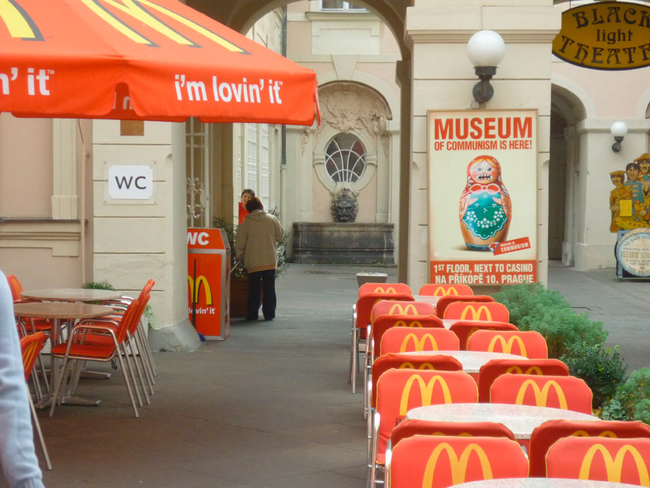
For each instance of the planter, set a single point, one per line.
(238, 297)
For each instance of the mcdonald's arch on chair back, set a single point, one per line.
(385, 322)
(600, 459)
(447, 300)
(530, 344)
(367, 302)
(444, 461)
(564, 392)
(409, 339)
(421, 362)
(413, 427)
(401, 307)
(431, 289)
(30, 346)
(465, 328)
(544, 436)
(490, 311)
(401, 288)
(491, 370)
(401, 390)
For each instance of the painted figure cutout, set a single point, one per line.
(617, 197)
(485, 206)
(629, 201)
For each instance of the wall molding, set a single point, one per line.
(61, 236)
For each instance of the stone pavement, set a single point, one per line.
(270, 407)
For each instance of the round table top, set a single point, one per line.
(472, 360)
(60, 310)
(520, 419)
(71, 294)
(427, 298)
(542, 483)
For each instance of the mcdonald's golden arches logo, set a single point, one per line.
(413, 323)
(422, 366)
(426, 391)
(390, 289)
(541, 394)
(195, 287)
(506, 346)
(614, 466)
(457, 465)
(397, 309)
(531, 370)
(582, 433)
(476, 314)
(441, 292)
(419, 343)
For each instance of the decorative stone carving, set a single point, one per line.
(305, 133)
(344, 205)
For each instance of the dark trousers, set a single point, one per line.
(261, 281)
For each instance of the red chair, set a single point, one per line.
(465, 328)
(491, 370)
(433, 362)
(400, 390)
(488, 311)
(361, 319)
(530, 344)
(412, 427)
(544, 436)
(444, 461)
(447, 300)
(35, 325)
(600, 459)
(379, 326)
(31, 346)
(80, 348)
(565, 392)
(384, 288)
(431, 289)
(409, 339)
(399, 307)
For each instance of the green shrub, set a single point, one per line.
(632, 399)
(602, 369)
(98, 285)
(533, 307)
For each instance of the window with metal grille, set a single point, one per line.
(339, 5)
(345, 158)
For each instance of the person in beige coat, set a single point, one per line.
(256, 244)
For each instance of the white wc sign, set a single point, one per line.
(130, 182)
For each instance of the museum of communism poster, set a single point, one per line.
(483, 197)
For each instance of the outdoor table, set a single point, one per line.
(543, 483)
(472, 360)
(520, 419)
(71, 295)
(58, 312)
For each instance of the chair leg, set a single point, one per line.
(353, 373)
(37, 425)
(137, 362)
(128, 384)
(143, 338)
(129, 371)
(57, 387)
(146, 366)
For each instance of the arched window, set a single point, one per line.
(345, 158)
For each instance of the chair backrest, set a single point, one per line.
(384, 288)
(444, 461)
(15, 287)
(600, 459)
(490, 311)
(430, 362)
(400, 390)
(494, 368)
(434, 290)
(413, 427)
(565, 392)
(400, 307)
(147, 288)
(135, 321)
(31, 346)
(530, 344)
(465, 328)
(368, 300)
(544, 436)
(410, 339)
(129, 319)
(447, 300)
(385, 322)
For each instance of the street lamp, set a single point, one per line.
(619, 131)
(485, 50)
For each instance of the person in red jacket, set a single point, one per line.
(257, 240)
(246, 195)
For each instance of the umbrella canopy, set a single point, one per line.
(142, 59)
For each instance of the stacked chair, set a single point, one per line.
(490, 311)
(433, 290)
(529, 344)
(465, 328)
(369, 295)
(412, 339)
(447, 300)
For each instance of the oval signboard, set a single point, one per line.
(633, 252)
(605, 36)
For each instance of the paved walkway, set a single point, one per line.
(270, 407)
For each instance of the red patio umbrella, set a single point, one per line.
(142, 59)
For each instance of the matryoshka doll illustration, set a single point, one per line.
(485, 206)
